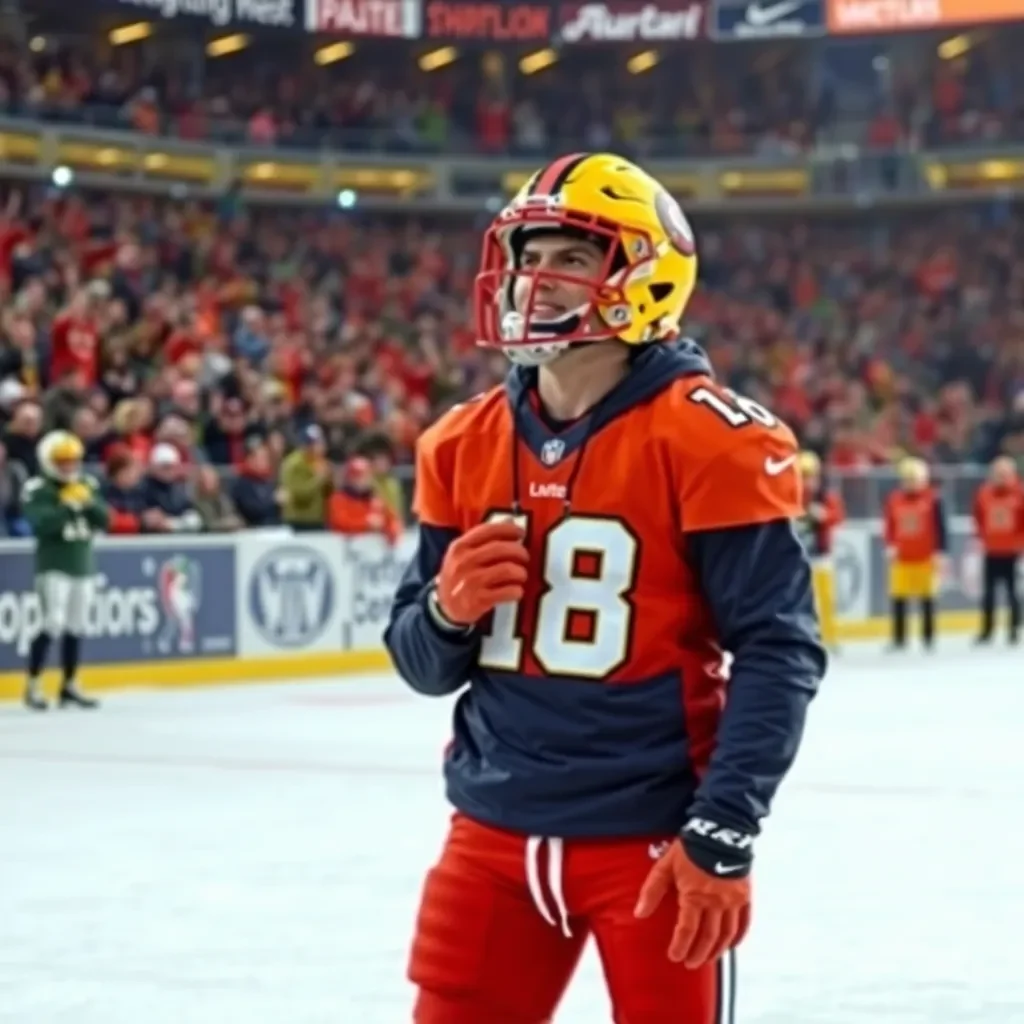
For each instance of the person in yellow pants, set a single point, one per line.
(823, 512)
(915, 541)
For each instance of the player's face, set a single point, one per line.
(556, 296)
(68, 469)
(1003, 472)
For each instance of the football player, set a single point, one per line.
(595, 535)
(823, 512)
(66, 512)
(999, 527)
(916, 542)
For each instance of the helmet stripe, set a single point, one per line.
(554, 176)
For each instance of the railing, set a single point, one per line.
(831, 177)
(864, 493)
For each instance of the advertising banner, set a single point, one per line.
(732, 20)
(152, 603)
(470, 20)
(381, 19)
(851, 561)
(867, 16)
(240, 14)
(374, 571)
(291, 594)
(613, 21)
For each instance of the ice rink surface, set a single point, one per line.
(254, 855)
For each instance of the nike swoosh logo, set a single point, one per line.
(761, 16)
(726, 869)
(773, 467)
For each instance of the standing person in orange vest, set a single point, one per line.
(823, 512)
(999, 525)
(916, 540)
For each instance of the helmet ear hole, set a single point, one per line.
(660, 292)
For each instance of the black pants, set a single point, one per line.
(900, 609)
(1000, 573)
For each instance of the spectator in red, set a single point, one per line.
(75, 339)
(356, 508)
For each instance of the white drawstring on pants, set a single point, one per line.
(556, 856)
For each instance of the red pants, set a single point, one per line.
(503, 921)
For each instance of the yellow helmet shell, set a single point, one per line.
(809, 463)
(60, 455)
(914, 472)
(651, 270)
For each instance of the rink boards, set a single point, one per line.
(212, 610)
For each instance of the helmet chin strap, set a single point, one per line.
(546, 333)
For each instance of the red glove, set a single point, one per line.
(484, 567)
(714, 913)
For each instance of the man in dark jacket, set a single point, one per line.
(168, 507)
(254, 489)
(124, 493)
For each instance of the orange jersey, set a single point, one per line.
(352, 514)
(915, 525)
(610, 515)
(999, 518)
(659, 530)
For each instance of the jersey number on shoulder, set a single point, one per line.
(584, 617)
(737, 410)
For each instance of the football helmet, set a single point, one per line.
(914, 473)
(60, 456)
(809, 463)
(645, 282)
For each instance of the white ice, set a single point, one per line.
(255, 854)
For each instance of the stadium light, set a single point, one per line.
(641, 62)
(333, 53)
(438, 58)
(955, 47)
(538, 61)
(226, 45)
(133, 33)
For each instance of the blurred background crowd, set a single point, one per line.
(245, 361)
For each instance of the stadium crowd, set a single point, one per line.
(895, 94)
(171, 337)
(230, 365)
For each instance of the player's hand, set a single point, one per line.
(485, 567)
(714, 911)
(76, 493)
